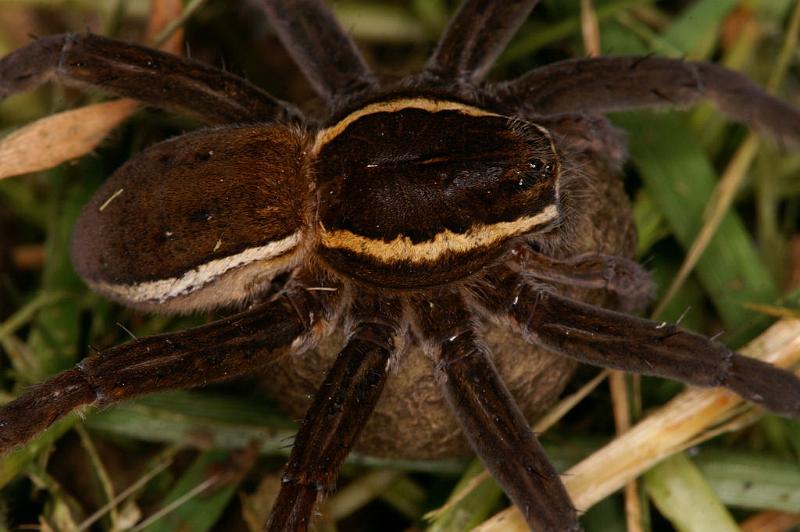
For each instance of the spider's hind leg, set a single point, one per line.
(609, 339)
(492, 422)
(155, 78)
(340, 410)
(221, 350)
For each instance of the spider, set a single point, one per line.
(425, 218)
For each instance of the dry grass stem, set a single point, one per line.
(124, 494)
(590, 29)
(622, 420)
(775, 311)
(359, 493)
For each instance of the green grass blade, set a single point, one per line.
(680, 179)
(198, 510)
(695, 32)
(752, 481)
(473, 508)
(54, 334)
(683, 496)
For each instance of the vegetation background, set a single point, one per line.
(211, 459)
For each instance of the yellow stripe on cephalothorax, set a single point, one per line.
(403, 249)
(392, 106)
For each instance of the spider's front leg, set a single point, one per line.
(605, 84)
(340, 410)
(492, 421)
(221, 350)
(155, 78)
(609, 339)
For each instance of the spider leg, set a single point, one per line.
(155, 78)
(605, 84)
(476, 35)
(492, 421)
(609, 339)
(340, 410)
(625, 278)
(220, 350)
(325, 54)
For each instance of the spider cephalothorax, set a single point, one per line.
(422, 218)
(404, 203)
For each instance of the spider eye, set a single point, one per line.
(526, 181)
(538, 171)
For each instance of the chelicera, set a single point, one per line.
(421, 217)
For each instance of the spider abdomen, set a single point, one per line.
(420, 192)
(196, 222)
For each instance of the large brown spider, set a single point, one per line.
(422, 217)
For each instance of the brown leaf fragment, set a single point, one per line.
(772, 521)
(28, 257)
(65, 136)
(162, 13)
(56, 139)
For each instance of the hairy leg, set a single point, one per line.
(155, 78)
(340, 410)
(327, 56)
(492, 422)
(220, 350)
(604, 338)
(477, 34)
(604, 84)
(626, 279)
